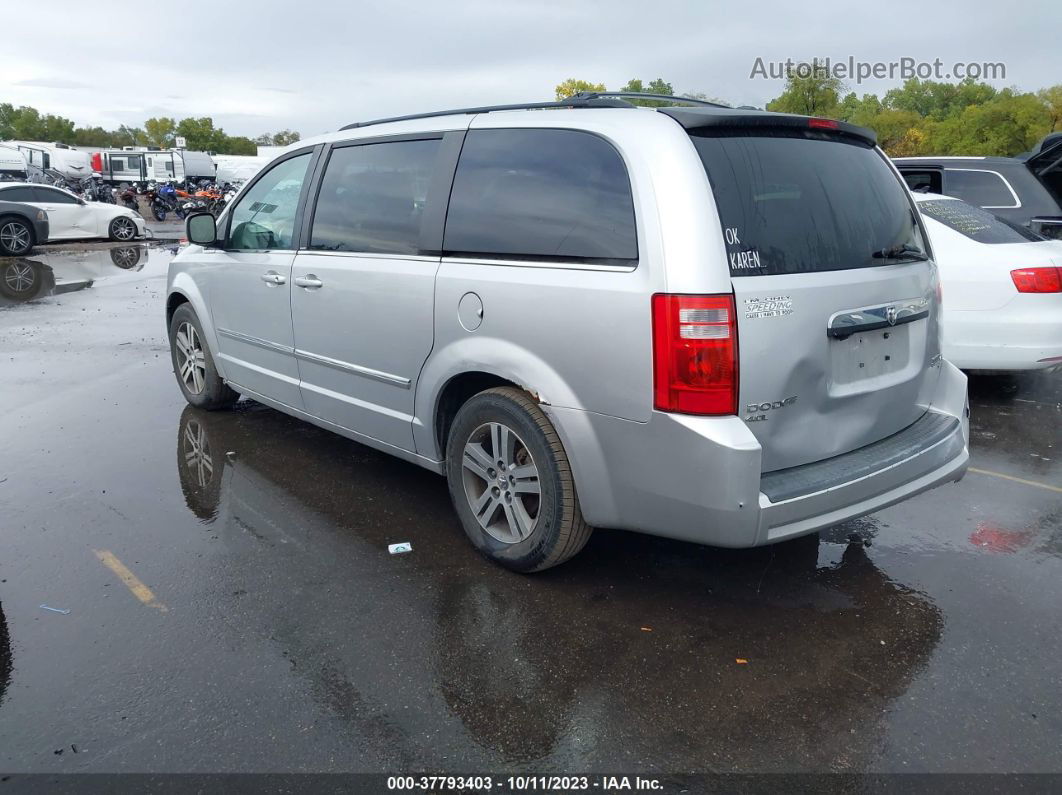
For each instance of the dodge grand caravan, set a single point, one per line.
(703, 323)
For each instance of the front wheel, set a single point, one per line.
(200, 382)
(511, 482)
(122, 229)
(16, 237)
(159, 212)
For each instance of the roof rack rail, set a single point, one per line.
(588, 95)
(577, 101)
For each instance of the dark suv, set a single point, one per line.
(1026, 189)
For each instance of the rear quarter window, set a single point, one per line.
(975, 223)
(796, 202)
(979, 188)
(541, 194)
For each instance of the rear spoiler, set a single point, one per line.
(701, 118)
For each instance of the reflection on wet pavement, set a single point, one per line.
(641, 658)
(44, 273)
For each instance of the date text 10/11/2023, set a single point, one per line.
(506, 784)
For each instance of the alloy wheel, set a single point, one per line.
(191, 359)
(501, 482)
(124, 229)
(14, 237)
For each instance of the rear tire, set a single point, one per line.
(16, 237)
(511, 482)
(193, 365)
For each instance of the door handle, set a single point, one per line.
(272, 277)
(309, 281)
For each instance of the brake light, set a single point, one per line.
(1037, 280)
(824, 124)
(97, 161)
(695, 367)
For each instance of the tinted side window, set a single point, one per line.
(975, 223)
(17, 195)
(264, 218)
(929, 181)
(537, 194)
(979, 188)
(372, 197)
(54, 196)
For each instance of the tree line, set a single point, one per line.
(922, 117)
(28, 124)
(927, 117)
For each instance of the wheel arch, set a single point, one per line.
(451, 371)
(183, 290)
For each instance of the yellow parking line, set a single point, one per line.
(1016, 480)
(140, 591)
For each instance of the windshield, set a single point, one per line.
(796, 202)
(975, 223)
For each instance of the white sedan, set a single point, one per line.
(70, 218)
(1002, 288)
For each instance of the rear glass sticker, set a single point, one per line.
(743, 260)
(771, 306)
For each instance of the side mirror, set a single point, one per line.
(201, 229)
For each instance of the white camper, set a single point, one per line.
(198, 165)
(136, 164)
(238, 168)
(63, 158)
(12, 164)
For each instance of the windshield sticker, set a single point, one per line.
(772, 306)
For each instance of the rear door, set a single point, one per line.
(837, 315)
(362, 300)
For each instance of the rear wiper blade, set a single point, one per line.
(906, 251)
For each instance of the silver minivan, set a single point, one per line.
(711, 324)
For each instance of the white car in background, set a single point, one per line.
(1002, 288)
(71, 218)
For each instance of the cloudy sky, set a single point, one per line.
(315, 65)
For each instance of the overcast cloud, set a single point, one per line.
(318, 64)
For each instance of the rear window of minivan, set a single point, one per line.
(802, 202)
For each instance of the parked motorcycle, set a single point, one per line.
(128, 198)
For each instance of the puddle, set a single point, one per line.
(49, 273)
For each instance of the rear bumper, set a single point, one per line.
(1025, 335)
(698, 478)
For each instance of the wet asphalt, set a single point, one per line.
(233, 607)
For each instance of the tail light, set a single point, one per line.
(1037, 280)
(97, 161)
(695, 366)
